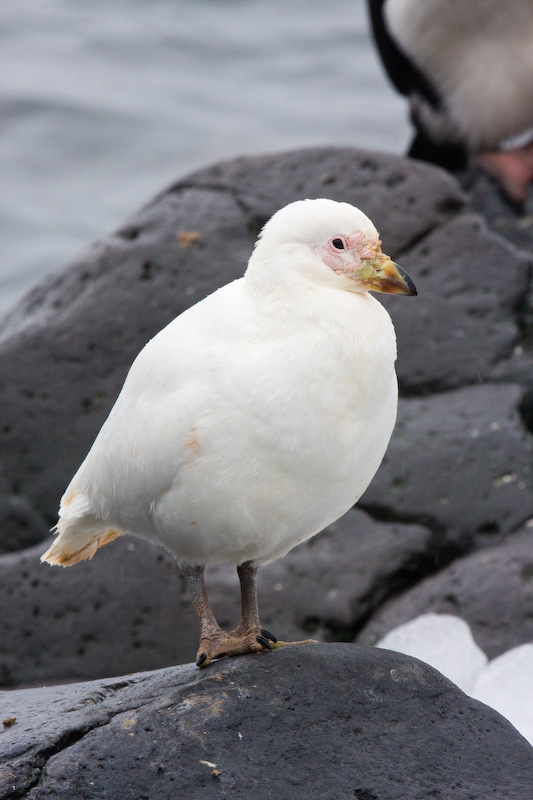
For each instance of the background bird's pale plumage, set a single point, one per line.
(467, 71)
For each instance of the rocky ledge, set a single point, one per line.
(326, 720)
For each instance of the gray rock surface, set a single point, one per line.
(461, 462)
(491, 589)
(324, 721)
(457, 476)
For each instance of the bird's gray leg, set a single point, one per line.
(250, 623)
(249, 628)
(209, 628)
(214, 642)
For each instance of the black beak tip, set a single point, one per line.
(409, 283)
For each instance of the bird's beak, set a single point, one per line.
(381, 274)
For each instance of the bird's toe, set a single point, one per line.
(262, 640)
(268, 635)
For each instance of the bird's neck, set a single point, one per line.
(288, 279)
(320, 312)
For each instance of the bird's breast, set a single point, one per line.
(286, 447)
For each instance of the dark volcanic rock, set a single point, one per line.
(124, 611)
(323, 721)
(462, 462)
(472, 286)
(20, 525)
(492, 590)
(128, 609)
(398, 195)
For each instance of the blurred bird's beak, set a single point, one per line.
(383, 275)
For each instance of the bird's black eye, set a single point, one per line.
(338, 244)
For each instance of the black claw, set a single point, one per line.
(201, 659)
(268, 635)
(263, 641)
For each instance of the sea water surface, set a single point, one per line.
(104, 103)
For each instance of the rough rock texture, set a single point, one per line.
(460, 461)
(329, 721)
(491, 589)
(458, 474)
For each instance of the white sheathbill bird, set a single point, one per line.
(253, 420)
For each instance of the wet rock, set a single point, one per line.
(331, 721)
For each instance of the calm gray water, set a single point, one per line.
(103, 103)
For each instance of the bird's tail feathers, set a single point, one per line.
(79, 535)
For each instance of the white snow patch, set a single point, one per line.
(507, 686)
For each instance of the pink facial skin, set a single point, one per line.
(348, 260)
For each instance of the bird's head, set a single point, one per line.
(330, 243)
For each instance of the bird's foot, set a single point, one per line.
(217, 645)
(243, 630)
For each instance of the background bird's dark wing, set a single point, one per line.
(411, 82)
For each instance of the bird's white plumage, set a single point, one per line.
(255, 418)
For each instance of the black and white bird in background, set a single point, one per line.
(255, 419)
(466, 67)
